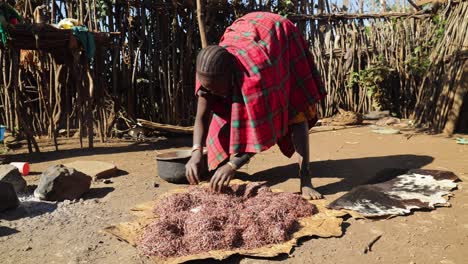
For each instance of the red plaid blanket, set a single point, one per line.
(277, 80)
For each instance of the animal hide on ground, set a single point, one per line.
(416, 189)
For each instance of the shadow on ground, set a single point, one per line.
(29, 209)
(352, 172)
(236, 259)
(120, 173)
(175, 142)
(6, 231)
(98, 193)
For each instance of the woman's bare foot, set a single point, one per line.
(310, 193)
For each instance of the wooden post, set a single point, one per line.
(383, 6)
(461, 84)
(89, 106)
(201, 23)
(24, 121)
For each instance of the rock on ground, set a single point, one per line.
(59, 183)
(8, 198)
(95, 169)
(11, 174)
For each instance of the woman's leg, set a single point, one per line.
(300, 134)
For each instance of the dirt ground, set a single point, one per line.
(70, 232)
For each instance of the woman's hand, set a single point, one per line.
(193, 168)
(222, 177)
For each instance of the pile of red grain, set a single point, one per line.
(243, 216)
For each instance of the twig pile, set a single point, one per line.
(244, 216)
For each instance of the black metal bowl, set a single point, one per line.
(171, 165)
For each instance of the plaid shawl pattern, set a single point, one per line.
(277, 80)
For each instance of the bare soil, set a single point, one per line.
(70, 231)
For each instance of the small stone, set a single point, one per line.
(28, 248)
(107, 181)
(375, 115)
(156, 185)
(387, 121)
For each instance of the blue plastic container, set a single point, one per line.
(2, 132)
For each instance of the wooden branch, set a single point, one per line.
(201, 23)
(415, 6)
(166, 128)
(371, 243)
(423, 2)
(345, 16)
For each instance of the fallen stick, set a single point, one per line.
(165, 127)
(318, 129)
(369, 246)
